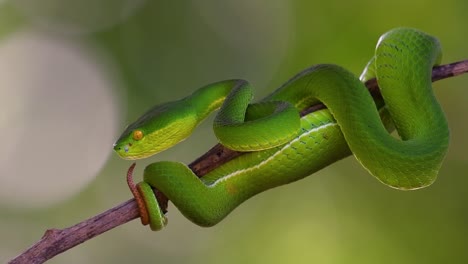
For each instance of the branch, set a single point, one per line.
(56, 241)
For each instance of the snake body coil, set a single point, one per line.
(284, 147)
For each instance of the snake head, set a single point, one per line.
(160, 128)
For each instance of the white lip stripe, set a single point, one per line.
(233, 174)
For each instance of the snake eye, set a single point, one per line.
(137, 135)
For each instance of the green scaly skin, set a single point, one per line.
(299, 147)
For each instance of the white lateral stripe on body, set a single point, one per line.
(233, 174)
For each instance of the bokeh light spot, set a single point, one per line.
(58, 118)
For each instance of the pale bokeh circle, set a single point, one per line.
(58, 121)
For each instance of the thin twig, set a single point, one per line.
(56, 241)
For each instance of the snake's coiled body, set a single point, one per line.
(284, 147)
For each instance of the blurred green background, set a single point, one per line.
(73, 74)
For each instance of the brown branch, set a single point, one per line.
(56, 241)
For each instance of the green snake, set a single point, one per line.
(282, 147)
